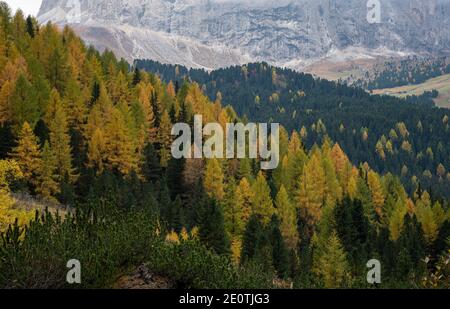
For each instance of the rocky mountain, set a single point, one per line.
(216, 33)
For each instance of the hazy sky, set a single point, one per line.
(29, 7)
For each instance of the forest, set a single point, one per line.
(86, 172)
(410, 71)
(408, 138)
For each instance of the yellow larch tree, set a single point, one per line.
(120, 150)
(262, 204)
(97, 151)
(342, 166)
(99, 114)
(165, 138)
(396, 220)
(333, 188)
(288, 216)
(60, 146)
(27, 154)
(47, 185)
(6, 91)
(144, 92)
(376, 189)
(352, 185)
(427, 219)
(54, 103)
(199, 103)
(331, 265)
(213, 180)
(243, 203)
(310, 195)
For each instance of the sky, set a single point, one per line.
(29, 7)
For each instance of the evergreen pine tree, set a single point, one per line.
(212, 228)
(30, 26)
(151, 168)
(252, 234)
(23, 106)
(280, 253)
(136, 76)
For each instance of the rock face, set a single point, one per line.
(218, 33)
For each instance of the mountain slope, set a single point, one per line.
(217, 33)
(361, 123)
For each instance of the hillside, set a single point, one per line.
(409, 71)
(366, 126)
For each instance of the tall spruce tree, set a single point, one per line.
(212, 227)
(252, 235)
(280, 253)
(23, 106)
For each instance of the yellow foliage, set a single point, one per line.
(144, 92)
(6, 91)
(428, 222)
(27, 153)
(173, 237)
(244, 197)
(10, 171)
(195, 232)
(236, 247)
(311, 194)
(184, 234)
(331, 262)
(376, 189)
(352, 186)
(214, 180)
(396, 220)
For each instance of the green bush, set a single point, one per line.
(107, 245)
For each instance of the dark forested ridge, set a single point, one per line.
(408, 137)
(410, 71)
